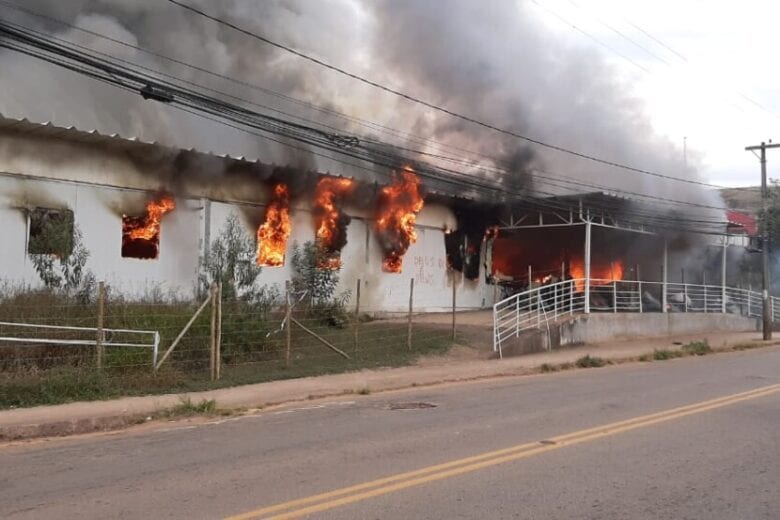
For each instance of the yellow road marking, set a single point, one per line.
(382, 486)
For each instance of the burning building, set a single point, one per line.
(131, 200)
(148, 215)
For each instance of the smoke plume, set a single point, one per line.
(492, 60)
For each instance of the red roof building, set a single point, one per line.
(741, 223)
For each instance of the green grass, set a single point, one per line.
(589, 361)
(186, 408)
(128, 372)
(664, 354)
(697, 348)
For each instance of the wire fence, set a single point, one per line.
(54, 348)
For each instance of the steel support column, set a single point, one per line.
(587, 266)
(723, 276)
(664, 281)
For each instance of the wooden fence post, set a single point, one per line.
(357, 313)
(213, 333)
(101, 302)
(287, 322)
(409, 327)
(454, 292)
(218, 357)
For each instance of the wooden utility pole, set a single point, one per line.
(766, 310)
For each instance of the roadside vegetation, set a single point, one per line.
(254, 343)
(589, 361)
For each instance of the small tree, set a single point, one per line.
(230, 260)
(63, 268)
(318, 285)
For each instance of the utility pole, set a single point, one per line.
(766, 308)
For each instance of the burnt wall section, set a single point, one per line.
(184, 232)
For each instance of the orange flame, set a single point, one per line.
(149, 226)
(141, 235)
(330, 222)
(600, 274)
(272, 234)
(396, 214)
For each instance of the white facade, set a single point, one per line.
(99, 178)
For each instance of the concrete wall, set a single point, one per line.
(595, 328)
(99, 185)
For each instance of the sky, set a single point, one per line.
(708, 95)
(634, 82)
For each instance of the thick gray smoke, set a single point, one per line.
(492, 60)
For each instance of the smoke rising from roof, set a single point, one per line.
(492, 60)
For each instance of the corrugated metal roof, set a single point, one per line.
(71, 133)
(118, 142)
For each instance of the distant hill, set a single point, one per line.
(746, 199)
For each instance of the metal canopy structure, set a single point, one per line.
(600, 208)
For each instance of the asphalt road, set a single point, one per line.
(601, 443)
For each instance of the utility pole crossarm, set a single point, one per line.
(760, 146)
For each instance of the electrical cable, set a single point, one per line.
(433, 106)
(420, 152)
(218, 109)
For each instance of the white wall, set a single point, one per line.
(74, 176)
(96, 213)
(362, 259)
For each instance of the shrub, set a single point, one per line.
(664, 354)
(697, 348)
(589, 361)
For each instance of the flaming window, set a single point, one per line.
(330, 222)
(273, 233)
(396, 214)
(141, 235)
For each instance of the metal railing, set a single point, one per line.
(31, 334)
(535, 308)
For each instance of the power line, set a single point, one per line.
(194, 101)
(499, 171)
(662, 44)
(621, 34)
(431, 105)
(590, 36)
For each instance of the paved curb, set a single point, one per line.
(140, 409)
